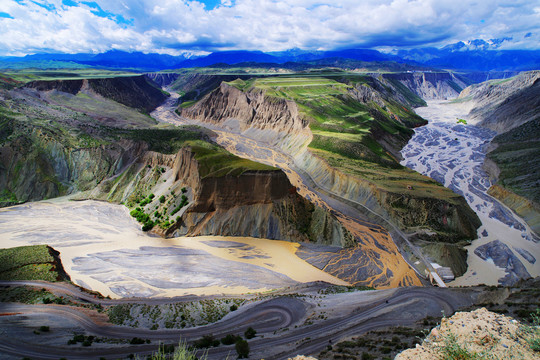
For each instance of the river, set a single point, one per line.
(453, 154)
(103, 248)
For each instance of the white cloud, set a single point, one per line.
(169, 26)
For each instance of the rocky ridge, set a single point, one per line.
(137, 92)
(476, 334)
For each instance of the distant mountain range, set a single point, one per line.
(474, 55)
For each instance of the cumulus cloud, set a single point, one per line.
(174, 26)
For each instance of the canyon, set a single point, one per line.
(225, 185)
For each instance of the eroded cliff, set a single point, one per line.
(502, 105)
(432, 85)
(511, 107)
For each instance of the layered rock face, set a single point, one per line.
(256, 203)
(502, 105)
(279, 123)
(244, 111)
(430, 85)
(39, 166)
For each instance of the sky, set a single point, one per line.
(199, 27)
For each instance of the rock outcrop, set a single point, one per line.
(256, 203)
(476, 334)
(240, 111)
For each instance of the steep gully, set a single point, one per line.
(453, 154)
(368, 226)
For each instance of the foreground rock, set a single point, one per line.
(471, 334)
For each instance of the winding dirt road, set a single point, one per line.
(282, 329)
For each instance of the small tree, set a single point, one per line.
(242, 349)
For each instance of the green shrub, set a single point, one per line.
(233, 307)
(452, 350)
(250, 333)
(148, 225)
(242, 349)
(136, 341)
(533, 331)
(44, 328)
(162, 199)
(182, 352)
(230, 339)
(87, 342)
(166, 348)
(206, 341)
(183, 203)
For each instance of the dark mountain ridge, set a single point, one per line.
(475, 55)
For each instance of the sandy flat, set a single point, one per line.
(103, 248)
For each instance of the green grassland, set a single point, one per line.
(215, 161)
(352, 136)
(36, 262)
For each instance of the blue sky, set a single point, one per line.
(197, 27)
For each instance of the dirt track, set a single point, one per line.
(285, 325)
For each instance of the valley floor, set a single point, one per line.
(103, 249)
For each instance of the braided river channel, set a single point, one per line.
(453, 154)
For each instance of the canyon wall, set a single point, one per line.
(502, 105)
(432, 85)
(511, 107)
